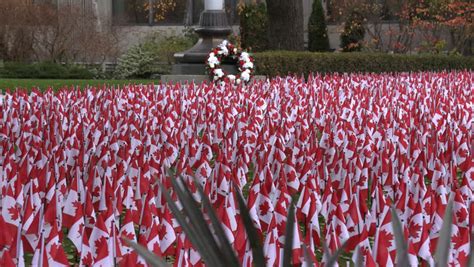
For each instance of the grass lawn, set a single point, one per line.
(44, 84)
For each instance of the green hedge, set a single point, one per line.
(44, 70)
(276, 63)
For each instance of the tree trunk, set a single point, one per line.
(285, 24)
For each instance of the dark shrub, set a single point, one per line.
(318, 39)
(275, 63)
(44, 70)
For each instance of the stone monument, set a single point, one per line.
(213, 28)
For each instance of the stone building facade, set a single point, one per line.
(133, 21)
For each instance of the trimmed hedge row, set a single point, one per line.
(276, 63)
(44, 70)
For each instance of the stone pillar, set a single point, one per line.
(212, 30)
(214, 5)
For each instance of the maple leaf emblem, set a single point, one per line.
(101, 248)
(57, 253)
(264, 208)
(96, 191)
(414, 230)
(87, 260)
(459, 240)
(203, 172)
(462, 215)
(128, 235)
(54, 249)
(385, 239)
(156, 249)
(63, 189)
(14, 213)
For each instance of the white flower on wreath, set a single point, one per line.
(212, 60)
(245, 75)
(218, 73)
(245, 56)
(231, 77)
(223, 48)
(248, 65)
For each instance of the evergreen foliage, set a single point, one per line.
(318, 39)
(155, 56)
(137, 62)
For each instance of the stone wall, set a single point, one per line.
(132, 35)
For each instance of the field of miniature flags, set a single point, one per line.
(83, 165)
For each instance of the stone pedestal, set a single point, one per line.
(199, 69)
(213, 29)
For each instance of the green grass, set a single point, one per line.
(55, 84)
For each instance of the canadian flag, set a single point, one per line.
(309, 241)
(77, 230)
(153, 240)
(50, 252)
(127, 231)
(384, 245)
(438, 120)
(227, 213)
(182, 251)
(260, 204)
(86, 253)
(363, 250)
(98, 243)
(334, 244)
(30, 228)
(460, 236)
(10, 211)
(354, 223)
(57, 256)
(72, 202)
(272, 248)
(6, 237)
(6, 260)
(167, 232)
(309, 207)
